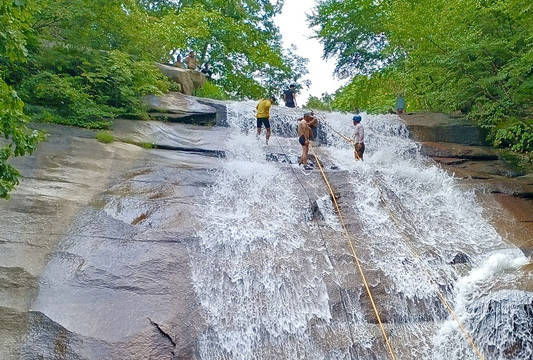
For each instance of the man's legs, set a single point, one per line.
(267, 135)
(360, 149)
(305, 151)
(259, 125)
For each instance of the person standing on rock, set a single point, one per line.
(312, 121)
(206, 71)
(303, 138)
(289, 96)
(263, 116)
(178, 62)
(358, 138)
(191, 61)
(400, 105)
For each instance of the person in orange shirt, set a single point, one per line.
(263, 116)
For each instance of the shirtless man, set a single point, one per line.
(312, 121)
(303, 138)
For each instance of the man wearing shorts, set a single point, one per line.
(303, 138)
(263, 116)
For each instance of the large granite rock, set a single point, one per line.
(95, 247)
(177, 107)
(459, 146)
(437, 127)
(95, 243)
(189, 80)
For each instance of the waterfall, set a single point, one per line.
(274, 274)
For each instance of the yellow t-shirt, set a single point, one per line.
(263, 109)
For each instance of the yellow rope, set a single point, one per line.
(432, 281)
(355, 153)
(354, 255)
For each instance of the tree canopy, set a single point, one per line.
(83, 62)
(468, 56)
(18, 139)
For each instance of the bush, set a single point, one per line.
(87, 88)
(211, 91)
(60, 98)
(517, 136)
(105, 137)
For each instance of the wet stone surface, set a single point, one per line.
(97, 245)
(94, 251)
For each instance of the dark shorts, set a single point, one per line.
(261, 121)
(291, 105)
(360, 151)
(302, 140)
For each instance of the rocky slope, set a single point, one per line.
(95, 243)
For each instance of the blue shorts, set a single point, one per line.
(302, 140)
(261, 121)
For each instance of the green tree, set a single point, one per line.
(467, 55)
(322, 103)
(353, 32)
(239, 40)
(18, 139)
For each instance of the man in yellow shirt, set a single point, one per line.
(263, 116)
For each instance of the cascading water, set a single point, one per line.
(276, 283)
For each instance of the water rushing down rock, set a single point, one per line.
(119, 251)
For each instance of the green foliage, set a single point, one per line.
(323, 103)
(102, 53)
(18, 140)
(105, 137)
(467, 55)
(211, 91)
(62, 99)
(353, 32)
(14, 28)
(376, 93)
(517, 136)
(240, 42)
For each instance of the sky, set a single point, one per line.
(295, 30)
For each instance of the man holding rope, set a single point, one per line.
(358, 138)
(312, 121)
(303, 138)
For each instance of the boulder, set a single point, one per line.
(436, 127)
(177, 107)
(457, 144)
(189, 80)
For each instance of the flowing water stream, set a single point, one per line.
(276, 277)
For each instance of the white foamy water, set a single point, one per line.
(271, 288)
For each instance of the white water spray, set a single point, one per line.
(272, 288)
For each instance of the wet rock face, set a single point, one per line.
(518, 323)
(95, 251)
(180, 108)
(459, 147)
(95, 244)
(436, 127)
